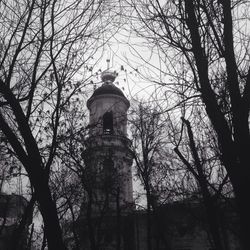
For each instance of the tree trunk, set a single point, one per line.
(48, 210)
(47, 207)
(241, 190)
(149, 227)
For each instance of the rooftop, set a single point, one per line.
(107, 88)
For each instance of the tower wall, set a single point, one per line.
(116, 149)
(106, 103)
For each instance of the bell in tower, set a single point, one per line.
(108, 178)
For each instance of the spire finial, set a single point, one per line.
(108, 76)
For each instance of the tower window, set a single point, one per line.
(108, 123)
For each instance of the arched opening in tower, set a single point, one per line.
(108, 123)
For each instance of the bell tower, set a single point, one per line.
(106, 214)
(107, 147)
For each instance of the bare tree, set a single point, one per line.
(204, 175)
(43, 46)
(148, 146)
(206, 47)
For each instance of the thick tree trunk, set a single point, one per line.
(241, 190)
(48, 210)
(213, 222)
(149, 227)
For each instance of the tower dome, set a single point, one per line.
(107, 88)
(108, 107)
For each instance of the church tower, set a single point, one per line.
(108, 162)
(108, 145)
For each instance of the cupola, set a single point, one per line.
(108, 108)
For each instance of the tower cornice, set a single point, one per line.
(107, 95)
